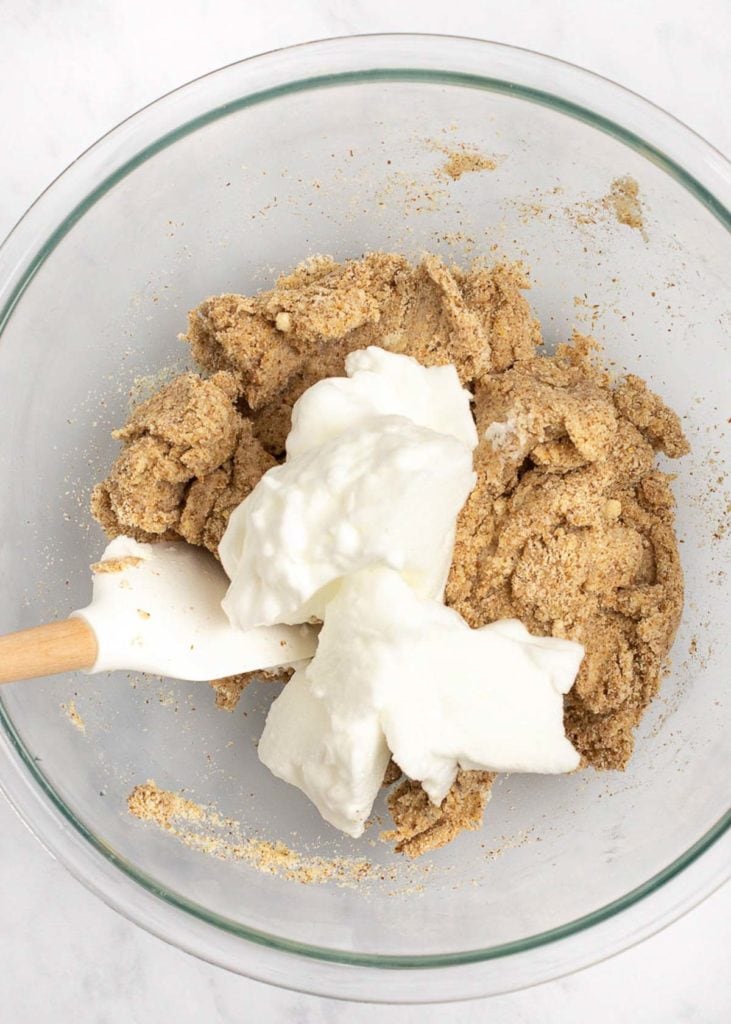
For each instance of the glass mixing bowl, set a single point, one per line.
(336, 147)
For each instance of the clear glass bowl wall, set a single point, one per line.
(225, 204)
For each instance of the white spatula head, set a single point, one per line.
(157, 608)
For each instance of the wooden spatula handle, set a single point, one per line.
(46, 650)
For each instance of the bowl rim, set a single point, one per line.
(26, 249)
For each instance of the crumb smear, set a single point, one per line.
(71, 712)
(623, 199)
(461, 159)
(203, 829)
(114, 565)
(462, 162)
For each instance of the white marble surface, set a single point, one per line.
(70, 71)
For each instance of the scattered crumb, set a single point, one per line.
(461, 162)
(623, 199)
(146, 385)
(528, 211)
(461, 159)
(415, 196)
(507, 843)
(73, 716)
(538, 204)
(586, 211)
(622, 202)
(115, 564)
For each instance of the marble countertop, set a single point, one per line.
(69, 73)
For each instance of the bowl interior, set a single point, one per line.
(343, 168)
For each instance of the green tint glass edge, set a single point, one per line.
(432, 77)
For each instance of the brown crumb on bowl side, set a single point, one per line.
(623, 200)
(465, 161)
(149, 803)
(71, 712)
